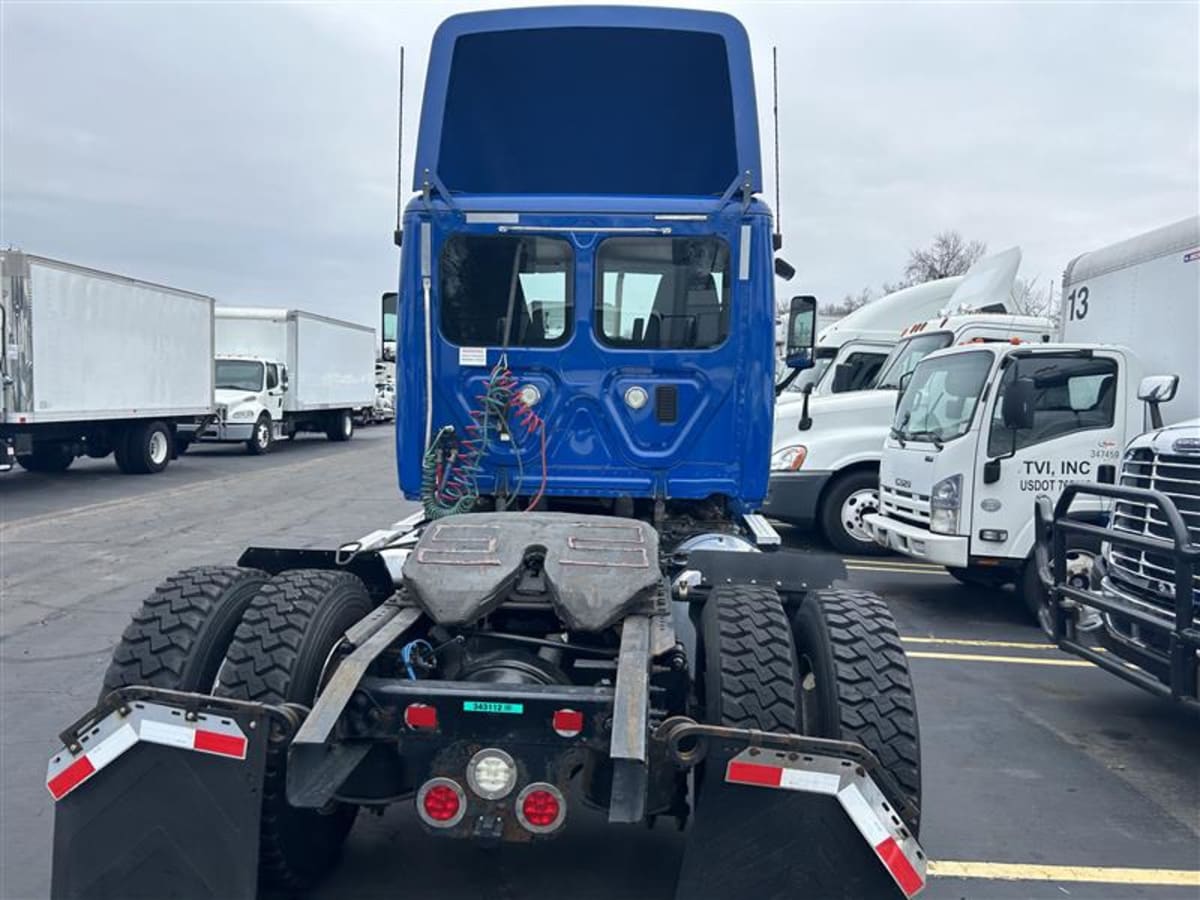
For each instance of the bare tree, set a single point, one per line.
(849, 303)
(1030, 299)
(949, 254)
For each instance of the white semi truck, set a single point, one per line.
(982, 431)
(826, 449)
(1142, 602)
(283, 371)
(95, 364)
(850, 350)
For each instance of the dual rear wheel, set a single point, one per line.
(239, 633)
(833, 667)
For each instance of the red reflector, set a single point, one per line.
(441, 802)
(70, 777)
(540, 808)
(420, 715)
(568, 722)
(897, 863)
(224, 744)
(753, 773)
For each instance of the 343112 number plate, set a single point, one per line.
(487, 706)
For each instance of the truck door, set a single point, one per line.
(274, 402)
(1078, 427)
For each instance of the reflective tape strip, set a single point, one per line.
(897, 863)
(149, 722)
(753, 773)
(70, 778)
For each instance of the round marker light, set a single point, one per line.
(492, 774)
(541, 808)
(636, 397)
(441, 803)
(530, 395)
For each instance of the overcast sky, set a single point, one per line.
(248, 150)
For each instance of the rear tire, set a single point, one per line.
(145, 448)
(341, 428)
(47, 458)
(846, 502)
(178, 639)
(749, 663)
(278, 656)
(261, 438)
(855, 684)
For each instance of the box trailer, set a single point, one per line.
(97, 364)
(283, 371)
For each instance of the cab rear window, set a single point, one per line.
(662, 293)
(505, 291)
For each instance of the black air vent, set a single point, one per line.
(666, 403)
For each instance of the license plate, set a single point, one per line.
(487, 706)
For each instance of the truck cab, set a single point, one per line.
(250, 393)
(624, 290)
(982, 430)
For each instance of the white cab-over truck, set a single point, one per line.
(984, 430)
(95, 364)
(826, 451)
(283, 371)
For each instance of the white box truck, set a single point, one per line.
(97, 364)
(283, 371)
(982, 431)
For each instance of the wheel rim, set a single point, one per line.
(347, 425)
(854, 510)
(264, 434)
(158, 448)
(1079, 569)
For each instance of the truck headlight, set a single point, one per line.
(944, 504)
(789, 459)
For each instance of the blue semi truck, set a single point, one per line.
(588, 608)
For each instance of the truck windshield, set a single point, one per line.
(941, 398)
(906, 354)
(663, 293)
(239, 375)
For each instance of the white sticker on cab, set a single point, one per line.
(472, 356)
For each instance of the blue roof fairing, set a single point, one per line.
(628, 101)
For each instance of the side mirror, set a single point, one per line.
(802, 319)
(1016, 410)
(283, 379)
(1158, 388)
(388, 308)
(784, 269)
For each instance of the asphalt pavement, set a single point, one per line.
(1044, 776)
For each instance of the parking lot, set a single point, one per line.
(1044, 776)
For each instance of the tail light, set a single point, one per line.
(541, 808)
(441, 803)
(420, 716)
(567, 722)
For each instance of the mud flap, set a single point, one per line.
(159, 801)
(772, 824)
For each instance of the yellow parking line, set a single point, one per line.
(962, 642)
(851, 567)
(1039, 872)
(981, 657)
(885, 563)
